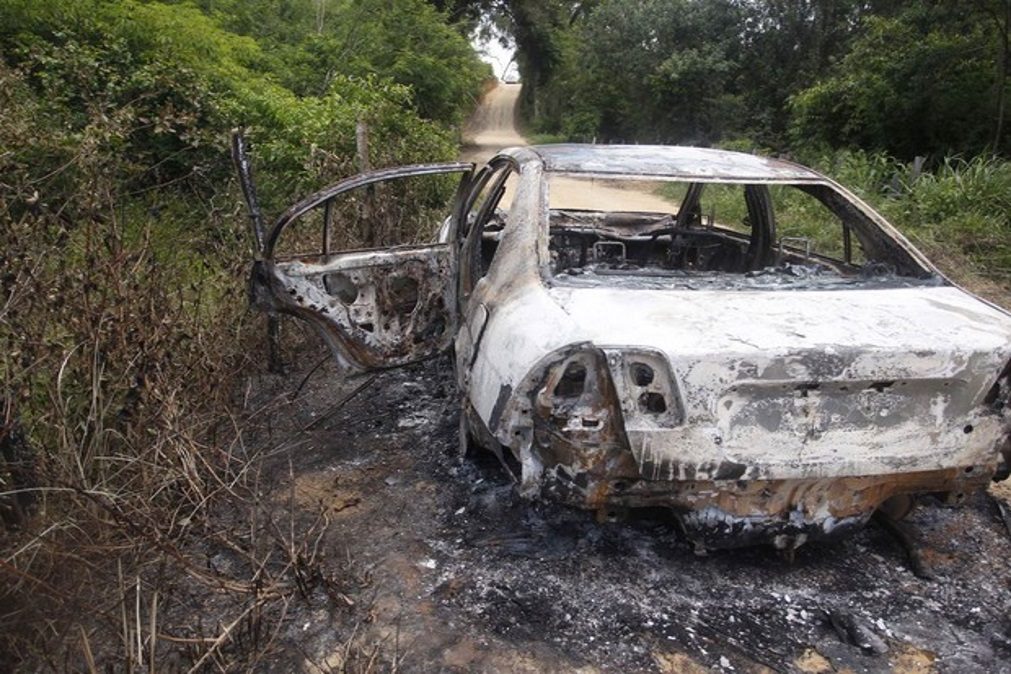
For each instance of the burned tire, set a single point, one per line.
(898, 507)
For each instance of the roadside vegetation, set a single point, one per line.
(124, 330)
(132, 529)
(905, 102)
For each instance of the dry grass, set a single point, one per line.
(988, 284)
(126, 470)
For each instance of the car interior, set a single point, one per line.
(721, 230)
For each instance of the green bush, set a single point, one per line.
(910, 86)
(959, 210)
(124, 329)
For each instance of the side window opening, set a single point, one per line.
(870, 248)
(712, 228)
(723, 206)
(807, 226)
(397, 212)
(359, 260)
(485, 220)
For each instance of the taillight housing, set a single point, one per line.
(594, 390)
(578, 395)
(999, 395)
(998, 400)
(646, 387)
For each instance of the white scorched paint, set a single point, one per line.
(737, 357)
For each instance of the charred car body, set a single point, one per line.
(766, 357)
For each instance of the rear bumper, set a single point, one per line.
(786, 513)
(729, 511)
(742, 454)
(769, 493)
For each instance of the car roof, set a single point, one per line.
(669, 161)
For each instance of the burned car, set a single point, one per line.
(734, 338)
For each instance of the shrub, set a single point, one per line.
(124, 331)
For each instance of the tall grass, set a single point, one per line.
(124, 337)
(124, 331)
(120, 347)
(958, 210)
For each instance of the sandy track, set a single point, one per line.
(493, 127)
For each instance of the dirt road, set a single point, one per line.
(493, 127)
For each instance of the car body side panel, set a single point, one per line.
(508, 298)
(676, 162)
(506, 355)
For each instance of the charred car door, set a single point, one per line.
(375, 307)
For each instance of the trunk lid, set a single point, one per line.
(800, 384)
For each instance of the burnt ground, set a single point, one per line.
(443, 568)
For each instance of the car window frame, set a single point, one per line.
(296, 284)
(471, 269)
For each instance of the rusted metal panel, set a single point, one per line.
(768, 415)
(583, 433)
(375, 309)
(574, 426)
(757, 407)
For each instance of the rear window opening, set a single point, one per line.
(719, 234)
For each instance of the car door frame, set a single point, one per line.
(346, 299)
(472, 286)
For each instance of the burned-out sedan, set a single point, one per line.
(737, 339)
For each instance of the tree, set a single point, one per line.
(654, 71)
(920, 82)
(999, 12)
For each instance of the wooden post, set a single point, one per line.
(362, 146)
(373, 235)
(320, 15)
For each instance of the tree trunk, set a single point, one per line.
(373, 234)
(1005, 62)
(320, 15)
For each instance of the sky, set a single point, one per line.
(492, 51)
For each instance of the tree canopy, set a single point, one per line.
(905, 77)
(175, 76)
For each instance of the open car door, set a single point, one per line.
(376, 308)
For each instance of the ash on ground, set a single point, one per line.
(455, 573)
